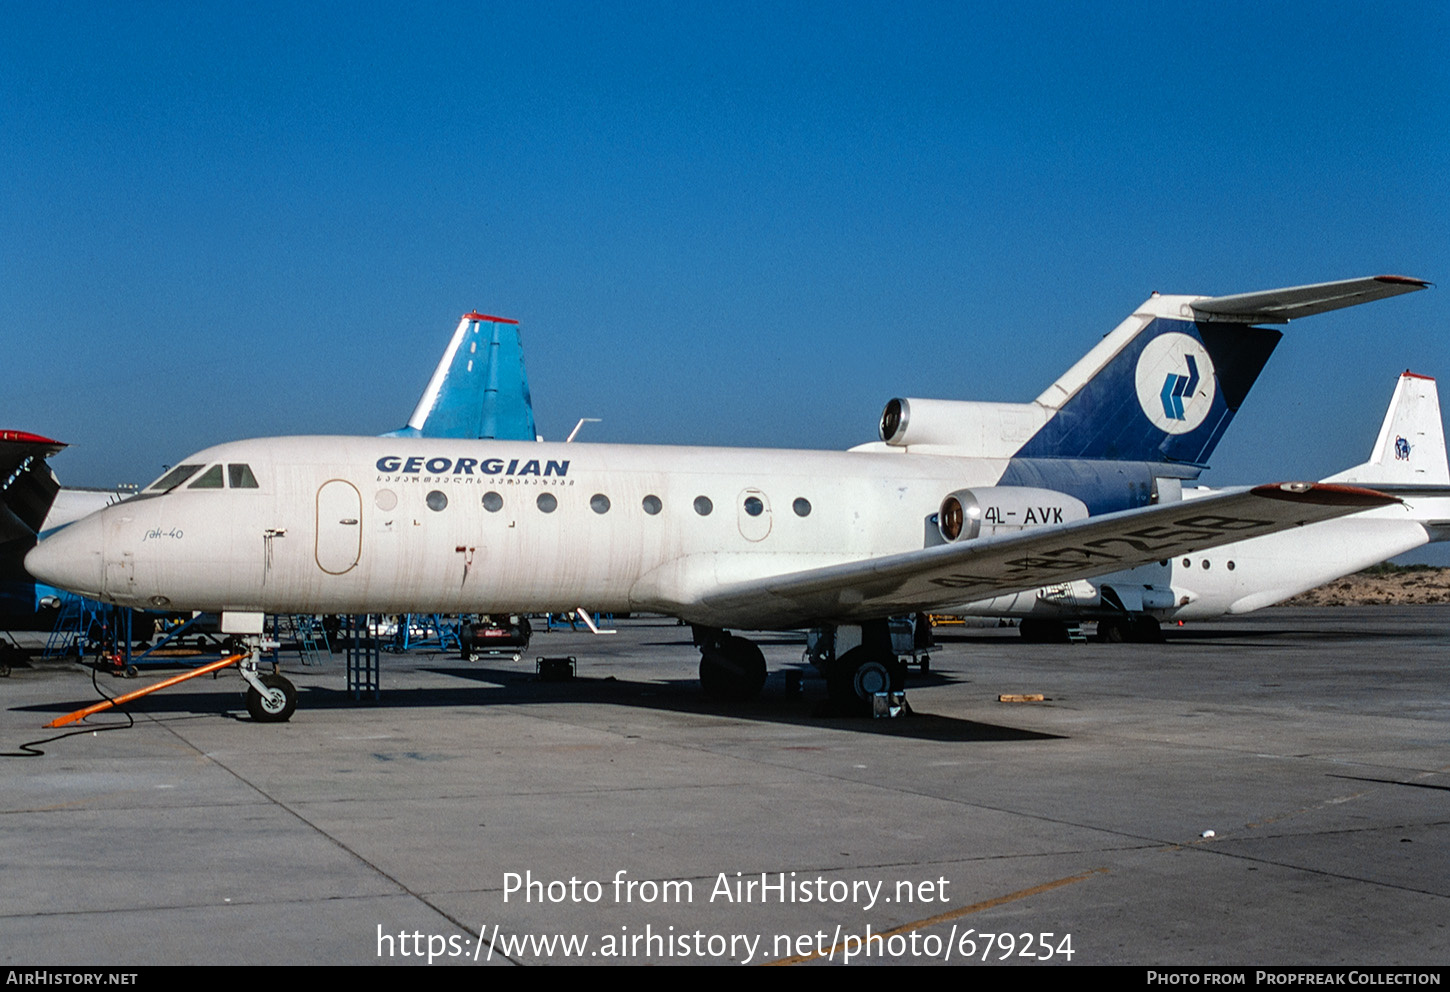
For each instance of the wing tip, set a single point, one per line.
(1324, 494)
(1404, 281)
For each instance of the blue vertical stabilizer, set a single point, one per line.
(480, 389)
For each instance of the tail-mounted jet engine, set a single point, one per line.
(971, 513)
(992, 430)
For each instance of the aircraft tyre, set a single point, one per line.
(732, 669)
(1038, 631)
(1146, 630)
(1112, 631)
(267, 709)
(858, 675)
(1130, 630)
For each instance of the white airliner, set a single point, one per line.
(1408, 460)
(478, 390)
(728, 538)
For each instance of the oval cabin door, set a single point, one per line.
(339, 527)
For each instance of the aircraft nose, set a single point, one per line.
(72, 558)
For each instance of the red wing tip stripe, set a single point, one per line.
(483, 316)
(1404, 281)
(1324, 493)
(27, 438)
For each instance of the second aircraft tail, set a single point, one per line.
(1410, 449)
(479, 389)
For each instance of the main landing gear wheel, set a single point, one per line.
(274, 706)
(1130, 630)
(1035, 630)
(732, 669)
(1147, 630)
(858, 675)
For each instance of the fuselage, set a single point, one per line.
(355, 525)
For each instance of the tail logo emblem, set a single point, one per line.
(1175, 380)
(1174, 388)
(1402, 450)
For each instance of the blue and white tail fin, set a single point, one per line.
(479, 389)
(1410, 449)
(1165, 384)
(1162, 387)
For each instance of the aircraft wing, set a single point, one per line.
(1275, 306)
(945, 575)
(27, 486)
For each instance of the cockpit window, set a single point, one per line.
(210, 479)
(172, 479)
(241, 477)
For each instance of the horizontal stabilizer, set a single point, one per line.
(1276, 306)
(945, 575)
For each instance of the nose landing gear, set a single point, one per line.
(271, 698)
(275, 702)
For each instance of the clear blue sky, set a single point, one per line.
(745, 224)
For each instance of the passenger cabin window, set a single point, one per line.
(547, 503)
(652, 505)
(599, 503)
(241, 477)
(210, 479)
(172, 479)
(703, 506)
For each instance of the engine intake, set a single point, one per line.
(971, 513)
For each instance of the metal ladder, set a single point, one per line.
(364, 656)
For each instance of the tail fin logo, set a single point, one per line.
(1175, 380)
(1402, 450)
(1174, 388)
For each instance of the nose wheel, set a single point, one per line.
(271, 698)
(275, 702)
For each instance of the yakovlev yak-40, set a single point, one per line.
(478, 390)
(959, 501)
